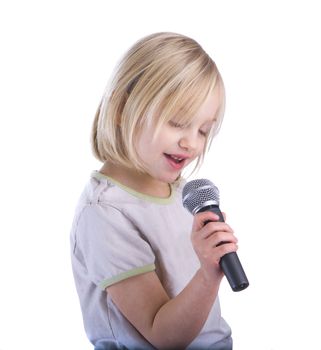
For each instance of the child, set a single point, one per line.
(146, 270)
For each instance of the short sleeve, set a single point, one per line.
(110, 246)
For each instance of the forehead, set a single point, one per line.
(210, 106)
(187, 107)
(205, 111)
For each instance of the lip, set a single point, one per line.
(173, 164)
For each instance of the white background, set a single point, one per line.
(56, 58)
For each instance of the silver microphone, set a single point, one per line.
(202, 195)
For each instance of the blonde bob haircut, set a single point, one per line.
(162, 77)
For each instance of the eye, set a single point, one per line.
(206, 129)
(175, 124)
(203, 133)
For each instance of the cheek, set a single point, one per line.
(201, 145)
(142, 141)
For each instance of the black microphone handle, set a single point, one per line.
(230, 263)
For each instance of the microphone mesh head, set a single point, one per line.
(198, 194)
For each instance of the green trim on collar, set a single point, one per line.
(157, 200)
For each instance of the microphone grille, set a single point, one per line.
(198, 194)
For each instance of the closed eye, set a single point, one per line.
(203, 133)
(176, 125)
(206, 129)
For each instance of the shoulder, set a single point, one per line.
(99, 207)
(101, 192)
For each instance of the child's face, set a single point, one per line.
(175, 146)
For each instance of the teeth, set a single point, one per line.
(176, 159)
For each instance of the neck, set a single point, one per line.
(138, 181)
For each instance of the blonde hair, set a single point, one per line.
(164, 75)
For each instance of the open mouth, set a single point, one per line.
(175, 159)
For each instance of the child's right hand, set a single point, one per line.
(207, 242)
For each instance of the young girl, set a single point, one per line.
(146, 271)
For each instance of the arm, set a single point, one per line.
(174, 323)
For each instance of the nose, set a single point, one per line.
(189, 142)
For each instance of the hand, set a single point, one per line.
(207, 242)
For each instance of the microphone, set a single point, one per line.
(202, 195)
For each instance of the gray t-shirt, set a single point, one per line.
(118, 233)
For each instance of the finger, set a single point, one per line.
(201, 218)
(216, 253)
(220, 238)
(226, 249)
(213, 227)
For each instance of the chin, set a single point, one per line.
(165, 176)
(171, 178)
